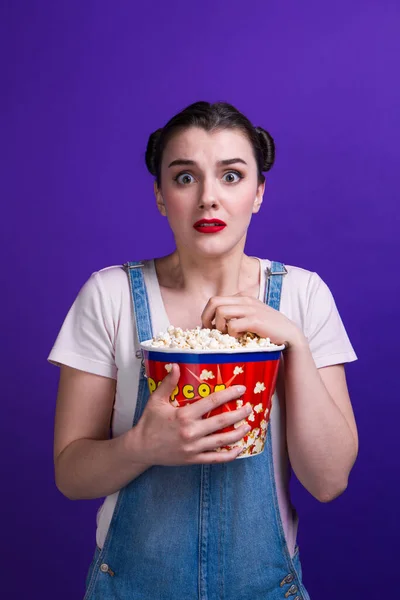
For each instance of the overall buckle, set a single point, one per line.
(270, 272)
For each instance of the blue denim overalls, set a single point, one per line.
(198, 532)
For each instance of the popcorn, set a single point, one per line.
(260, 387)
(205, 375)
(168, 367)
(240, 423)
(208, 339)
(258, 446)
(258, 408)
(237, 370)
(251, 444)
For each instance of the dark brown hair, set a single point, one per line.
(219, 115)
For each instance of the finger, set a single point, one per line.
(168, 384)
(238, 327)
(225, 313)
(208, 458)
(219, 440)
(208, 313)
(225, 419)
(205, 405)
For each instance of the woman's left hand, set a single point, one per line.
(240, 313)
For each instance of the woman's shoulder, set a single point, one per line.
(110, 276)
(103, 290)
(112, 281)
(106, 281)
(116, 275)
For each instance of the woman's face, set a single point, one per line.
(206, 178)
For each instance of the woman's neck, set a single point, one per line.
(207, 277)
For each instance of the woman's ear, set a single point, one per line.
(259, 198)
(159, 200)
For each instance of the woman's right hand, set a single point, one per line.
(166, 435)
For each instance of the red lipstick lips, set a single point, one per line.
(209, 225)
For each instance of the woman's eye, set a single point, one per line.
(232, 177)
(184, 178)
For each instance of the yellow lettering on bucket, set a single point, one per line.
(219, 387)
(188, 391)
(204, 390)
(152, 384)
(175, 392)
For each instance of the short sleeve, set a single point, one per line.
(86, 338)
(324, 329)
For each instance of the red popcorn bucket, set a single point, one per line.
(205, 371)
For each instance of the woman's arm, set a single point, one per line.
(87, 463)
(321, 430)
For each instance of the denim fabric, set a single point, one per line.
(201, 532)
(140, 300)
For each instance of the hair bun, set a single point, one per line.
(267, 147)
(151, 152)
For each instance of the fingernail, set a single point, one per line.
(241, 389)
(247, 429)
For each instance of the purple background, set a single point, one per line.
(83, 85)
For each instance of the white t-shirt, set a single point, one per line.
(99, 336)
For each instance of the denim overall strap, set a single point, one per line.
(144, 328)
(275, 275)
(140, 300)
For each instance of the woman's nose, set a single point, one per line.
(208, 197)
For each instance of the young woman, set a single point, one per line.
(181, 520)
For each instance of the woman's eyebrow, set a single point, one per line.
(232, 161)
(187, 162)
(181, 161)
